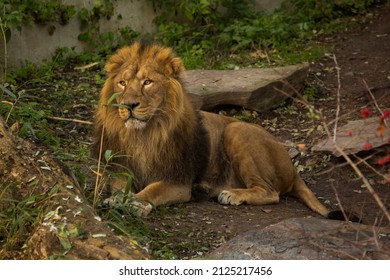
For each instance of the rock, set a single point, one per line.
(356, 136)
(251, 88)
(309, 239)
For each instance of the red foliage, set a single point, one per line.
(385, 115)
(367, 146)
(384, 160)
(366, 113)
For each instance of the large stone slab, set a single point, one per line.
(308, 238)
(251, 88)
(356, 136)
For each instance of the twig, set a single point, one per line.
(347, 158)
(372, 97)
(374, 100)
(360, 175)
(337, 99)
(90, 65)
(360, 160)
(70, 120)
(339, 202)
(3, 27)
(97, 182)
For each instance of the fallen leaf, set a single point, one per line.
(266, 210)
(15, 128)
(301, 147)
(380, 131)
(98, 235)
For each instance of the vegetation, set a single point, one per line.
(222, 34)
(227, 33)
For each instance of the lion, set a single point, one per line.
(174, 151)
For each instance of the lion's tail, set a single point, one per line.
(302, 191)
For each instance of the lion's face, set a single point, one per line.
(145, 77)
(142, 96)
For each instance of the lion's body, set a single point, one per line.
(172, 149)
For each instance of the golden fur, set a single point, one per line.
(173, 150)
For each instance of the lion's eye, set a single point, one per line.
(147, 82)
(122, 83)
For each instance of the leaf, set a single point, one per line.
(53, 214)
(7, 91)
(119, 105)
(266, 210)
(301, 147)
(115, 95)
(65, 243)
(98, 235)
(108, 155)
(380, 131)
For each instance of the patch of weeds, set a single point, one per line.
(29, 117)
(121, 214)
(218, 39)
(124, 222)
(67, 231)
(310, 93)
(245, 115)
(19, 216)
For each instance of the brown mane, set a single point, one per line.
(168, 138)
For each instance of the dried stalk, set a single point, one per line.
(70, 120)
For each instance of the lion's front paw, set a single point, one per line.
(228, 197)
(141, 208)
(112, 202)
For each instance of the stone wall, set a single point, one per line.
(34, 43)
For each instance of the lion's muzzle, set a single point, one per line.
(126, 112)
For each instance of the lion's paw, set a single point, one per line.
(227, 197)
(112, 202)
(141, 208)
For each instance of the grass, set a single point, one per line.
(19, 216)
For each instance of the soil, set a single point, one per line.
(362, 56)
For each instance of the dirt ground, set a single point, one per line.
(363, 57)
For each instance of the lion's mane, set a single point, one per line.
(165, 148)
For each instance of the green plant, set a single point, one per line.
(16, 13)
(30, 115)
(200, 30)
(19, 215)
(90, 19)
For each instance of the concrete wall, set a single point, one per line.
(267, 5)
(35, 44)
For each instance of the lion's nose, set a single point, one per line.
(131, 105)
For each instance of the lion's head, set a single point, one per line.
(145, 79)
(142, 105)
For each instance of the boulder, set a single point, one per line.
(258, 89)
(308, 239)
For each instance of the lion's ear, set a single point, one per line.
(177, 67)
(116, 60)
(165, 57)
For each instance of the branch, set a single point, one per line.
(337, 99)
(69, 120)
